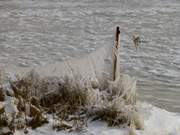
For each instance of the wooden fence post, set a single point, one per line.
(115, 54)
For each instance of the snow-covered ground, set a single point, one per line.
(157, 122)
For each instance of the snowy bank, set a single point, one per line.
(69, 95)
(157, 122)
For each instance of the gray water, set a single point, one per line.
(37, 32)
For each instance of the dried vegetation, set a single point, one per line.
(71, 102)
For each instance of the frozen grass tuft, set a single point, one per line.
(71, 100)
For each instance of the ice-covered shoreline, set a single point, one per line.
(157, 122)
(94, 72)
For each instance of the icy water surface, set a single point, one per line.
(36, 32)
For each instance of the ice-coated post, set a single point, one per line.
(115, 53)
